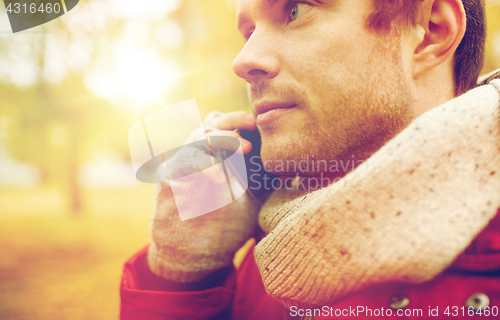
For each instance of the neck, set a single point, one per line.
(433, 89)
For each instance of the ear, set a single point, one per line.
(442, 25)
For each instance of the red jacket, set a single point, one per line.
(474, 278)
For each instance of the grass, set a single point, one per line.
(55, 266)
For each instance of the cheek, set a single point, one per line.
(326, 56)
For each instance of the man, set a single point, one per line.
(343, 81)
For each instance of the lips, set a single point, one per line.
(269, 111)
(265, 106)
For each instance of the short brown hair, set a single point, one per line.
(469, 56)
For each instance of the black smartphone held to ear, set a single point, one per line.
(259, 180)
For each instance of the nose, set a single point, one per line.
(258, 59)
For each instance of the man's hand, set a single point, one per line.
(227, 123)
(189, 251)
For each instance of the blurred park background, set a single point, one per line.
(71, 211)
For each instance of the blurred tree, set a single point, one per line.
(57, 122)
(53, 128)
(54, 123)
(72, 86)
(492, 59)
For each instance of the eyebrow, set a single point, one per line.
(265, 4)
(242, 19)
(269, 3)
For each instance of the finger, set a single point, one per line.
(208, 167)
(236, 120)
(227, 143)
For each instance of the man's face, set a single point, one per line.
(321, 83)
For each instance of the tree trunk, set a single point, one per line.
(74, 188)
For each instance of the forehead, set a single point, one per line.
(263, 3)
(245, 6)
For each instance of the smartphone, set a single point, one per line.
(259, 180)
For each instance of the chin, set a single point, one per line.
(282, 156)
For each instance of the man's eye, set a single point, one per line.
(297, 10)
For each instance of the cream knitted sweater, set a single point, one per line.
(437, 186)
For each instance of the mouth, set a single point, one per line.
(268, 112)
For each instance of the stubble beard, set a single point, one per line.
(375, 104)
